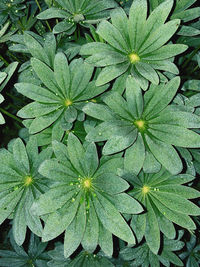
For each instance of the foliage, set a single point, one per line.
(99, 127)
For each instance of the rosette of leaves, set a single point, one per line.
(12, 9)
(165, 198)
(84, 259)
(20, 184)
(86, 200)
(2, 78)
(61, 98)
(192, 255)
(135, 45)
(35, 256)
(146, 126)
(144, 257)
(78, 12)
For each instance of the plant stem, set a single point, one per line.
(5, 61)
(190, 57)
(13, 56)
(10, 115)
(40, 11)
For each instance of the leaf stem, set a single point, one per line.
(10, 115)
(13, 56)
(47, 23)
(5, 61)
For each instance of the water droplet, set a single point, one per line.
(100, 133)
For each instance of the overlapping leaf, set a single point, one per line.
(144, 126)
(135, 45)
(86, 200)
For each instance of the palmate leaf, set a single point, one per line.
(145, 126)
(60, 99)
(143, 256)
(19, 257)
(83, 259)
(20, 185)
(166, 201)
(82, 12)
(87, 195)
(135, 45)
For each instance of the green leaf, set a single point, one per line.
(136, 23)
(134, 98)
(92, 48)
(8, 203)
(184, 191)
(91, 234)
(35, 48)
(20, 155)
(40, 123)
(138, 224)
(75, 231)
(9, 71)
(46, 75)
(177, 203)
(50, 47)
(105, 240)
(58, 221)
(52, 200)
(112, 220)
(126, 204)
(56, 171)
(158, 97)
(19, 222)
(135, 156)
(76, 153)
(165, 52)
(120, 142)
(36, 93)
(181, 219)
(110, 183)
(151, 165)
(159, 37)
(98, 111)
(158, 16)
(175, 135)
(147, 72)
(70, 114)
(166, 227)
(91, 160)
(36, 109)
(152, 233)
(111, 72)
(53, 13)
(120, 21)
(106, 58)
(113, 36)
(117, 103)
(63, 26)
(165, 154)
(61, 72)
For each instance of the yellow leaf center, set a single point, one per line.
(87, 183)
(145, 189)
(28, 180)
(134, 58)
(140, 124)
(68, 102)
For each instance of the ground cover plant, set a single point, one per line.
(99, 128)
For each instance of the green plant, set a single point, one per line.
(99, 130)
